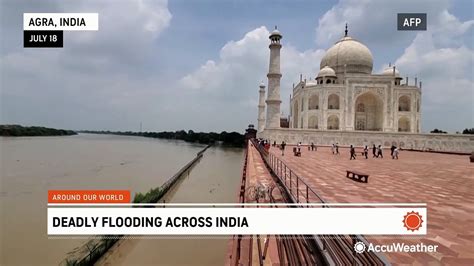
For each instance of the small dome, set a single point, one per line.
(326, 72)
(352, 54)
(388, 71)
(275, 34)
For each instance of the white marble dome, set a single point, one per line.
(388, 71)
(350, 52)
(326, 72)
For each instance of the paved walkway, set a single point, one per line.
(258, 175)
(444, 182)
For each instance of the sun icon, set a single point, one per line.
(359, 247)
(412, 221)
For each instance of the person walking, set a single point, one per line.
(353, 156)
(379, 153)
(283, 144)
(392, 149)
(395, 153)
(374, 150)
(299, 146)
(366, 151)
(337, 148)
(312, 146)
(333, 148)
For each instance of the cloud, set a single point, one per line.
(446, 73)
(441, 56)
(373, 21)
(98, 80)
(113, 79)
(234, 77)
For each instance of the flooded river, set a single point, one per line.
(31, 166)
(201, 184)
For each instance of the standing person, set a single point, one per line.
(312, 146)
(380, 152)
(374, 150)
(299, 146)
(392, 149)
(337, 148)
(274, 143)
(395, 153)
(366, 151)
(353, 153)
(333, 147)
(283, 144)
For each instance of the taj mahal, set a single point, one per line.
(347, 103)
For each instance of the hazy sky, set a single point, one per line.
(197, 64)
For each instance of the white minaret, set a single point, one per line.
(261, 108)
(273, 97)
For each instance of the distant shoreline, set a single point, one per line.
(21, 131)
(233, 139)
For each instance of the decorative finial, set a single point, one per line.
(389, 64)
(346, 31)
(275, 27)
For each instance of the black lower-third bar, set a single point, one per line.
(43, 39)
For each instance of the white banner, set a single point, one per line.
(61, 21)
(230, 221)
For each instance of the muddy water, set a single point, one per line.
(29, 167)
(214, 179)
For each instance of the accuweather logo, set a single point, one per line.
(361, 247)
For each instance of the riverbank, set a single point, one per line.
(232, 139)
(215, 179)
(21, 131)
(97, 246)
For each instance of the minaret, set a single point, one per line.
(261, 108)
(273, 97)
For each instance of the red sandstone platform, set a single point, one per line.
(445, 182)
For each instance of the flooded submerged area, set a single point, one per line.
(31, 166)
(207, 182)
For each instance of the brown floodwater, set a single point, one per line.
(214, 179)
(30, 166)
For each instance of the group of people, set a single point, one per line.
(377, 151)
(263, 143)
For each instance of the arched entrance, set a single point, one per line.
(404, 104)
(404, 124)
(333, 101)
(368, 112)
(313, 122)
(333, 122)
(313, 102)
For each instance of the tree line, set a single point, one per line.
(465, 131)
(19, 131)
(225, 138)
